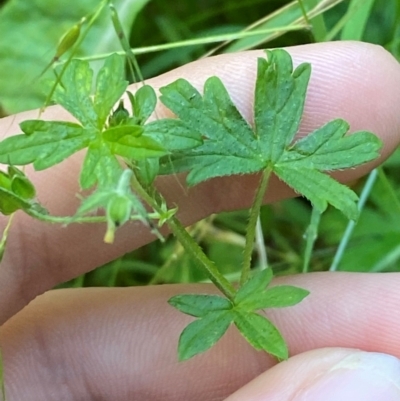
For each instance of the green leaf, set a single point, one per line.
(279, 102)
(45, 143)
(199, 305)
(5, 180)
(147, 170)
(254, 285)
(203, 333)
(327, 148)
(17, 182)
(261, 333)
(114, 134)
(99, 166)
(10, 202)
(230, 146)
(173, 133)
(74, 93)
(143, 103)
(22, 187)
(109, 87)
(320, 189)
(137, 148)
(16, 191)
(280, 296)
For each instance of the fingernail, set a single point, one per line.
(366, 376)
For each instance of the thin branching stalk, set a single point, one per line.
(189, 244)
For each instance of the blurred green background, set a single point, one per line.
(29, 33)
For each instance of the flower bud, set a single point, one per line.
(120, 115)
(68, 40)
(119, 209)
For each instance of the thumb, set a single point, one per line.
(329, 374)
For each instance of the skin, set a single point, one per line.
(120, 344)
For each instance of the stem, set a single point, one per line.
(190, 245)
(260, 245)
(316, 23)
(88, 219)
(393, 199)
(193, 248)
(190, 42)
(251, 227)
(350, 226)
(79, 281)
(115, 268)
(198, 231)
(132, 62)
(4, 237)
(311, 235)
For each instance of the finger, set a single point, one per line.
(121, 344)
(327, 374)
(350, 80)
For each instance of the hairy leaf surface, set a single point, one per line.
(199, 305)
(261, 333)
(203, 333)
(232, 146)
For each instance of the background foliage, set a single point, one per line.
(29, 32)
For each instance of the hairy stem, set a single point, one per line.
(86, 219)
(251, 227)
(190, 245)
(193, 248)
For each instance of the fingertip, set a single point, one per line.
(332, 374)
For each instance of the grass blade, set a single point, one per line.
(355, 26)
(350, 226)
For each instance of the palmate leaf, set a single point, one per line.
(46, 143)
(216, 313)
(231, 146)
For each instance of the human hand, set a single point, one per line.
(120, 344)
